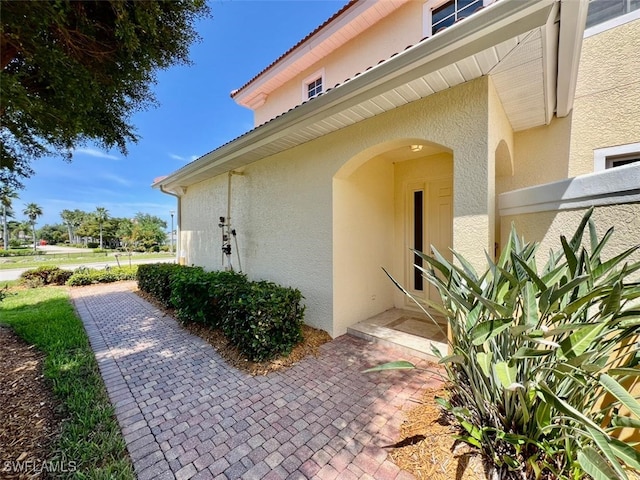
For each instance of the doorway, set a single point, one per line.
(429, 224)
(385, 206)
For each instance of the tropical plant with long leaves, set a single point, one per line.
(542, 362)
(33, 211)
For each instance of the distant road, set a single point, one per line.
(14, 273)
(59, 249)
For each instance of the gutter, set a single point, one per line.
(573, 17)
(501, 21)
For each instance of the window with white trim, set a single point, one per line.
(603, 10)
(314, 88)
(612, 157)
(313, 85)
(440, 14)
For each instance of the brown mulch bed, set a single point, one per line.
(313, 339)
(430, 452)
(30, 422)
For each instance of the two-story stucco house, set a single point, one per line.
(401, 124)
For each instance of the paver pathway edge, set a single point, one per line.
(185, 413)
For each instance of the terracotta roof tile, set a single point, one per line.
(346, 7)
(315, 97)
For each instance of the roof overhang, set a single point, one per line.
(520, 44)
(346, 24)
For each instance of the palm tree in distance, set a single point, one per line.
(102, 215)
(7, 195)
(33, 211)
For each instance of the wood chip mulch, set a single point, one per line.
(429, 450)
(29, 414)
(313, 339)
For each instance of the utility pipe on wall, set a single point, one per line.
(227, 230)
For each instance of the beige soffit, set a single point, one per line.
(346, 24)
(513, 41)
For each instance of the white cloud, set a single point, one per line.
(183, 159)
(92, 152)
(117, 179)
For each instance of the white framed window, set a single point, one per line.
(601, 11)
(440, 14)
(611, 157)
(313, 85)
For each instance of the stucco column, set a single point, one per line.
(473, 178)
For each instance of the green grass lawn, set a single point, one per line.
(7, 263)
(90, 435)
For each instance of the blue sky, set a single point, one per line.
(195, 115)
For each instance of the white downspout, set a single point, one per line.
(178, 246)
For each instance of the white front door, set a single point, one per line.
(429, 222)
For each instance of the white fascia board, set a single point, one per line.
(499, 22)
(573, 18)
(244, 97)
(550, 33)
(609, 187)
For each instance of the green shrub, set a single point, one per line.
(93, 245)
(534, 354)
(261, 319)
(86, 276)
(4, 292)
(16, 252)
(203, 297)
(44, 275)
(155, 279)
(265, 320)
(59, 276)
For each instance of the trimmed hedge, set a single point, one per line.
(155, 279)
(18, 252)
(261, 319)
(88, 276)
(206, 297)
(265, 320)
(44, 275)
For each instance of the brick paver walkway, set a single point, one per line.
(185, 413)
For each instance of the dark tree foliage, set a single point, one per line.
(74, 71)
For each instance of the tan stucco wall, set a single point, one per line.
(607, 102)
(541, 155)
(363, 216)
(500, 145)
(546, 228)
(605, 114)
(390, 35)
(283, 205)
